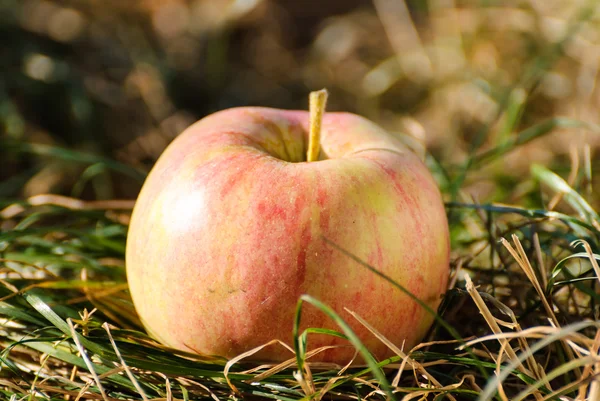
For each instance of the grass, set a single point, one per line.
(57, 341)
(512, 154)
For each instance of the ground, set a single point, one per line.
(499, 98)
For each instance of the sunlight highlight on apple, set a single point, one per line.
(183, 212)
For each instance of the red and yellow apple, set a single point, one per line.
(229, 231)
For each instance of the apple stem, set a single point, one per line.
(317, 102)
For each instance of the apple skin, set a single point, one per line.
(228, 231)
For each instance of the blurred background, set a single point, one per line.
(92, 91)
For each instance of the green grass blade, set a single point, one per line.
(571, 196)
(72, 156)
(352, 337)
(528, 135)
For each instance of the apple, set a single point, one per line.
(235, 222)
